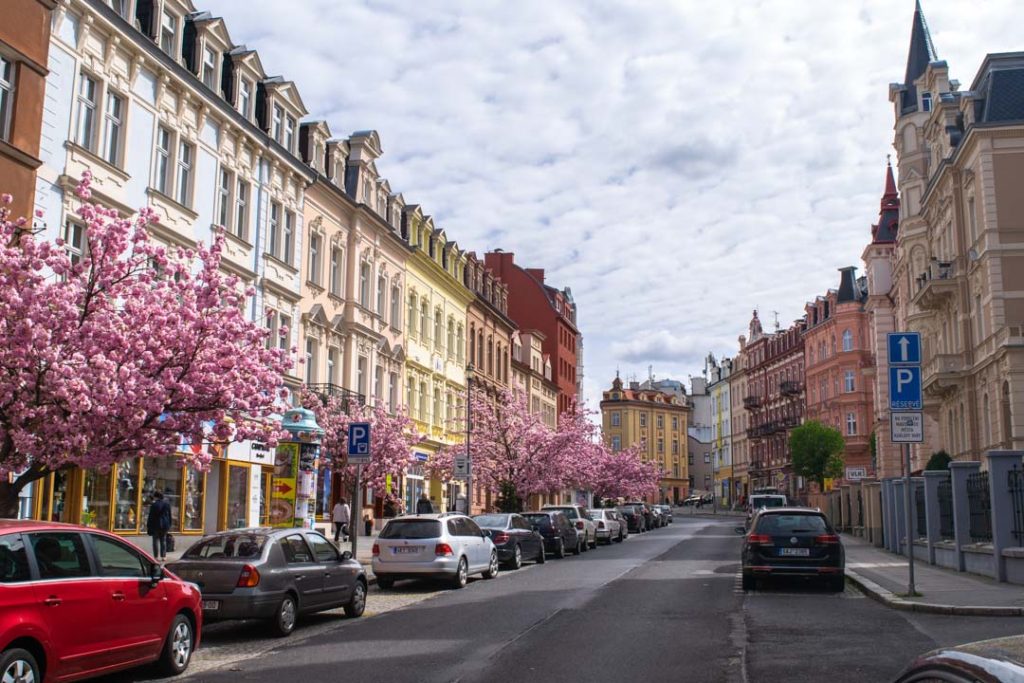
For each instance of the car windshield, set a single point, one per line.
(791, 524)
(412, 528)
(570, 512)
(492, 521)
(759, 502)
(227, 547)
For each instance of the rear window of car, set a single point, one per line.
(758, 502)
(597, 514)
(791, 524)
(543, 521)
(492, 521)
(412, 529)
(227, 547)
(569, 512)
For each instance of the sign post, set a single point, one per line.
(907, 420)
(358, 455)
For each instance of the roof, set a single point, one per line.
(1003, 92)
(888, 211)
(920, 55)
(847, 285)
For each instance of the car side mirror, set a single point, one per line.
(156, 573)
(346, 556)
(740, 530)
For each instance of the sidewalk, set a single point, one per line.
(883, 576)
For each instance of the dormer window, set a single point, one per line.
(169, 33)
(209, 68)
(926, 101)
(245, 98)
(289, 133)
(278, 123)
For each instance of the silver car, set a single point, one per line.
(449, 545)
(272, 574)
(608, 525)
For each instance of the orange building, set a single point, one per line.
(840, 369)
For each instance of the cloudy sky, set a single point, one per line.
(676, 163)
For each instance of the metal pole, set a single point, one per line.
(357, 511)
(469, 458)
(909, 525)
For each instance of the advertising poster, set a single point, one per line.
(282, 498)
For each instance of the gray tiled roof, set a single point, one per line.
(922, 52)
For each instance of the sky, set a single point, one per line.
(675, 163)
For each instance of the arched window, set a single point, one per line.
(490, 356)
(412, 316)
(480, 350)
(847, 340)
(425, 321)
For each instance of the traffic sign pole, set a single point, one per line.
(905, 395)
(357, 508)
(907, 491)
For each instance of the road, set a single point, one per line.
(665, 605)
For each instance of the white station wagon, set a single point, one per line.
(448, 545)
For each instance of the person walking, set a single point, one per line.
(423, 505)
(341, 515)
(158, 523)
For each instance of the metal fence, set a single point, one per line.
(979, 503)
(1015, 482)
(922, 521)
(946, 510)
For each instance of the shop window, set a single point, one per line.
(96, 500)
(192, 507)
(163, 475)
(126, 496)
(237, 500)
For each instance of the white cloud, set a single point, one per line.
(675, 164)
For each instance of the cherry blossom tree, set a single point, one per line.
(392, 437)
(625, 473)
(123, 350)
(578, 447)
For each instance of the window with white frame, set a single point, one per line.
(411, 314)
(186, 157)
(851, 424)
(438, 328)
(288, 245)
(271, 319)
(422, 403)
(162, 162)
(847, 340)
(849, 381)
(616, 418)
(113, 128)
(289, 133)
(169, 34)
(74, 241)
(396, 307)
(6, 96)
(364, 284)
(409, 396)
(425, 321)
(392, 391)
(643, 419)
(121, 7)
(245, 97)
(209, 68)
(451, 338)
(436, 414)
(337, 259)
(332, 365)
(310, 360)
(85, 129)
(277, 123)
(449, 410)
(224, 184)
(378, 384)
(241, 227)
(275, 229)
(460, 334)
(382, 293)
(285, 340)
(315, 241)
(361, 370)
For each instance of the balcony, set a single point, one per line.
(936, 286)
(751, 402)
(347, 396)
(943, 374)
(791, 388)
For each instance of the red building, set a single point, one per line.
(533, 304)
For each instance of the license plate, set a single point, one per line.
(211, 605)
(406, 549)
(794, 552)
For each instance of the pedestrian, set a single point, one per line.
(423, 505)
(158, 523)
(341, 515)
(367, 525)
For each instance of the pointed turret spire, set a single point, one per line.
(889, 196)
(888, 210)
(921, 53)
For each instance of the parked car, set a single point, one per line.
(272, 574)
(514, 538)
(634, 516)
(448, 545)
(608, 527)
(580, 518)
(78, 602)
(623, 525)
(651, 520)
(666, 513)
(691, 500)
(986, 661)
(560, 535)
(758, 501)
(792, 542)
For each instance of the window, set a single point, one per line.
(616, 444)
(396, 308)
(364, 285)
(60, 555)
(295, 550)
(278, 123)
(113, 125)
(689, 459)
(169, 34)
(361, 376)
(310, 361)
(209, 68)
(643, 419)
(422, 405)
(847, 340)
(461, 341)
(289, 238)
(378, 384)
(284, 341)
(186, 153)
(224, 198)
(332, 365)
(675, 422)
(851, 424)
(382, 292)
(436, 415)
(6, 97)
(616, 418)
(848, 379)
(707, 461)
(926, 101)
(411, 314)
(336, 260)
(409, 397)
(275, 229)
(117, 559)
(425, 321)
(438, 328)
(241, 209)
(272, 328)
(289, 133)
(323, 551)
(245, 98)
(13, 559)
(661, 445)
(972, 218)
(660, 421)
(121, 7)
(86, 128)
(314, 257)
(392, 391)
(74, 241)
(451, 338)
(675, 446)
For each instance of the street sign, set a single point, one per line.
(907, 427)
(461, 469)
(905, 388)
(904, 348)
(359, 443)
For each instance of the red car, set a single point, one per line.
(77, 602)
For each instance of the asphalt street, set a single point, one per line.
(666, 605)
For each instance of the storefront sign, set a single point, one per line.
(282, 499)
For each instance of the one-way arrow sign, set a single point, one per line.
(904, 348)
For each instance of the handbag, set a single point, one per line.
(169, 543)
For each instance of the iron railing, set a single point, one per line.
(979, 503)
(347, 396)
(946, 510)
(1015, 483)
(922, 519)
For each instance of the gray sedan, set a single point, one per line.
(272, 574)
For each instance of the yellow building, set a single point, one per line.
(657, 419)
(435, 334)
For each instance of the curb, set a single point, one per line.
(890, 599)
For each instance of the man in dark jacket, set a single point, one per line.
(158, 524)
(423, 505)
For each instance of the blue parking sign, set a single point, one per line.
(358, 441)
(905, 388)
(904, 348)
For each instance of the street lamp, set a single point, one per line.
(469, 428)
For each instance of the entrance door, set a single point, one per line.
(236, 503)
(266, 481)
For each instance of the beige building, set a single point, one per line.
(531, 369)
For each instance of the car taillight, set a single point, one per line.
(759, 539)
(600, 525)
(826, 539)
(580, 524)
(443, 550)
(249, 578)
(500, 537)
(376, 550)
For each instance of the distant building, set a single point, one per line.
(698, 457)
(721, 427)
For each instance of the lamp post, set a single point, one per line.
(469, 429)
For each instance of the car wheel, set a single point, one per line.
(749, 583)
(19, 665)
(837, 584)
(283, 622)
(492, 568)
(385, 582)
(593, 542)
(579, 547)
(542, 557)
(461, 574)
(357, 604)
(177, 648)
(586, 546)
(517, 558)
(621, 537)
(560, 550)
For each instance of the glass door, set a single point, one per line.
(238, 497)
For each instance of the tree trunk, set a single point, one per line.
(9, 503)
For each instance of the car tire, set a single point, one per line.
(560, 550)
(578, 550)
(177, 650)
(593, 543)
(837, 584)
(749, 583)
(621, 538)
(356, 605)
(461, 574)
(283, 622)
(517, 558)
(492, 568)
(385, 582)
(543, 556)
(19, 665)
